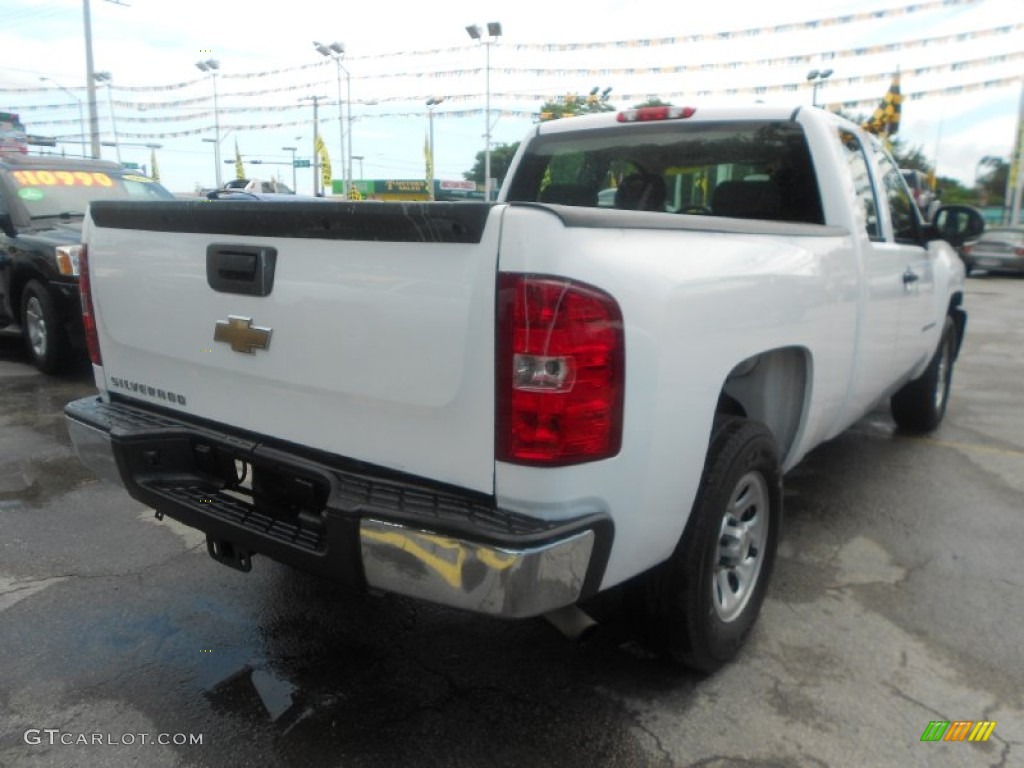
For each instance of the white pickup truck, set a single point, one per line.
(510, 408)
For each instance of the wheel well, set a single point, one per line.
(19, 280)
(772, 388)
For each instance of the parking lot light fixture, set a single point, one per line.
(295, 185)
(817, 77)
(212, 66)
(493, 32)
(336, 51)
(106, 77)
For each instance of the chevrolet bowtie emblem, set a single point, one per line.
(242, 335)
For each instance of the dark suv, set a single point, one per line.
(42, 206)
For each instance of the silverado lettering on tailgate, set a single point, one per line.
(145, 389)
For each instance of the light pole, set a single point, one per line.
(432, 102)
(105, 77)
(494, 32)
(817, 78)
(336, 51)
(90, 83)
(316, 136)
(295, 183)
(211, 66)
(81, 114)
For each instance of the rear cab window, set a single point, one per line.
(760, 169)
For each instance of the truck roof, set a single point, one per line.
(58, 162)
(701, 113)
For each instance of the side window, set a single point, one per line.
(861, 182)
(901, 205)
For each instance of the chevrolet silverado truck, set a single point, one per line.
(513, 408)
(42, 203)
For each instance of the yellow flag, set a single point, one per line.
(886, 119)
(239, 168)
(325, 163)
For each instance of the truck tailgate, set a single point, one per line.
(374, 341)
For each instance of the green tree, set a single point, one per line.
(990, 188)
(952, 192)
(910, 157)
(501, 158)
(573, 104)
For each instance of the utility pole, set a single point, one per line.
(316, 137)
(432, 102)
(1015, 178)
(94, 122)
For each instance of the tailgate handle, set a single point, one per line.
(244, 269)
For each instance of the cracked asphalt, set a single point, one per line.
(897, 600)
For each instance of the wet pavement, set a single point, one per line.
(897, 600)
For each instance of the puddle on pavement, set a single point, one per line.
(34, 483)
(255, 691)
(38, 404)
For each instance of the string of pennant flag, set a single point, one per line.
(955, 66)
(527, 114)
(792, 60)
(756, 90)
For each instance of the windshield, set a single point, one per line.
(53, 192)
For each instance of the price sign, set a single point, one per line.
(62, 179)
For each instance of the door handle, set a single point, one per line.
(243, 269)
(910, 276)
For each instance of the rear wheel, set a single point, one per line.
(921, 404)
(41, 328)
(702, 602)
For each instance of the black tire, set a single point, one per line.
(688, 612)
(921, 404)
(42, 328)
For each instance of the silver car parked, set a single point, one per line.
(1000, 249)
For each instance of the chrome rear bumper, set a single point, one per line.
(501, 581)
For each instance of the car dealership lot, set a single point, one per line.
(897, 601)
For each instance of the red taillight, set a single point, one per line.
(92, 339)
(560, 372)
(646, 114)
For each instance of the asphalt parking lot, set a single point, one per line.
(898, 600)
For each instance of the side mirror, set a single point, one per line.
(7, 224)
(958, 224)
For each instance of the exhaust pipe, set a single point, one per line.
(572, 622)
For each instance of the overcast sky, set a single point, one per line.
(961, 63)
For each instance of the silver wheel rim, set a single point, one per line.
(36, 325)
(942, 378)
(741, 546)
